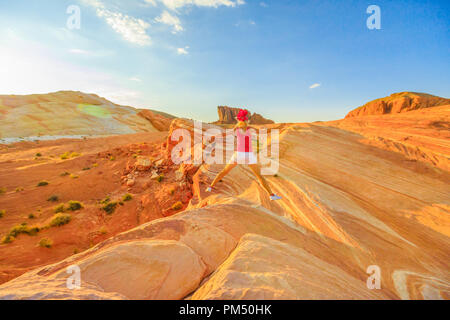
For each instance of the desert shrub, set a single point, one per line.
(160, 178)
(103, 230)
(31, 216)
(127, 197)
(112, 158)
(7, 239)
(177, 206)
(95, 165)
(86, 169)
(19, 189)
(110, 207)
(2, 190)
(172, 191)
(53, 198)
(59, 208)
(45, 243)
(2, 213)
(67, 155)
(64, 174)
(64, 156)
(38, 154)
(74, 176)
(74, 205)
(23, 228)
(106, 200)
(42, 183)
(60, 219)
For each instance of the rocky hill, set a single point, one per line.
(398, 103)
(71, 113)
(227, 115)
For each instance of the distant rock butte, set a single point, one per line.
(227, 115)
(398, 103)
(72, 113)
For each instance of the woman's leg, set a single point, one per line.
(256, 169)
(223, 173)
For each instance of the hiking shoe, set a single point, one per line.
(274, 197)
(208, 189)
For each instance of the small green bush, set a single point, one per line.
(38, 154)
(42, 183)
(53, 198)
(31, 216)
(19, 189)
(23, 228)
(106, 200)
(59, 208)
(2, 190)
(64, 174)
(177, 206)
(74, 205)
(60, 219)
(46, 243)
(160, 178)
(7, 239)
(127, 197)
(87, 168)
(74, 176)
(2, 213)
(110, 207)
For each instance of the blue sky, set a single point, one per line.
(295, 61)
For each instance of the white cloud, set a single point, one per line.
(315, 85)
(170, 20)
(183, 51)
(175, 4)
(151, 2)
(263, 4)
(79, 51)
(130, 28)
(252, 22)
(90, 53)
(135, 79)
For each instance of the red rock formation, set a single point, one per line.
(227, 115)
(398, 103)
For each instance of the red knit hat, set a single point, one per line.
(242, 115)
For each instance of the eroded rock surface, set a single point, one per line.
(346, 206)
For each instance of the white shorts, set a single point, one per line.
(244, 158)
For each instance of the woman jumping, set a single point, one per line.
(244, 155)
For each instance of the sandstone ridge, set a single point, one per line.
(398, 103)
